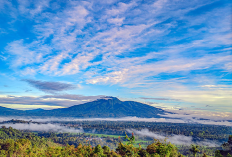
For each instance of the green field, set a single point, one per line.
(104, 135)
(137, 139)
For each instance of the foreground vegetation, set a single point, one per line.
(16, 143)
(24, 147)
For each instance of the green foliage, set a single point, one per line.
(229, 155)
(162, 149)
(218, 154)
(228, 145)
(126, 149)
(32, 145)
(155, 149)
(143, 152)
(227, 149)
(194, 150)
(98, 150)
(131, 140)
(106, 149)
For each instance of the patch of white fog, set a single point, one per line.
(43, 127)
(174, 139)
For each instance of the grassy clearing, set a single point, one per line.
(104, 135)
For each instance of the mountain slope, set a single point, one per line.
(101, 108)
(8, 111)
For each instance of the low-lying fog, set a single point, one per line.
(175, 139)
(136, 119)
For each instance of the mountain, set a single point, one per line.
(7, 111)
(101, 108)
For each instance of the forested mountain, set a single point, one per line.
(110, 107)
(7, 111)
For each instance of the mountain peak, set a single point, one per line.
(38, 109)
(109, 97)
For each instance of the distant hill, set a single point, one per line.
(7, 111)
(101, 108)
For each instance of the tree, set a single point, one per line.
(162, 149)
(227, 148)
(194, 149)
(98, 150)
(131, 140)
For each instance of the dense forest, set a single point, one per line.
(210, 132)
(22, 143)
(197, 131)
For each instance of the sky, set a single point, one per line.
(171, 54)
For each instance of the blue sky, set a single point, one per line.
(171, 54)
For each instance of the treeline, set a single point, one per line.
(23, 147)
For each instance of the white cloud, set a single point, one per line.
(121, 8)
(159, 4)
(32, 8)
(174, 139)
(80, 62)
(218, 98)
(116, 21)
(114, 77)
(167, 66)
(191, 115)
(52, 64)
(29, 71)
(22, 53)
(228, 67)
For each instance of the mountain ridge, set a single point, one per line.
(109, 107)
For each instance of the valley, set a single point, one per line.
(209, 138)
